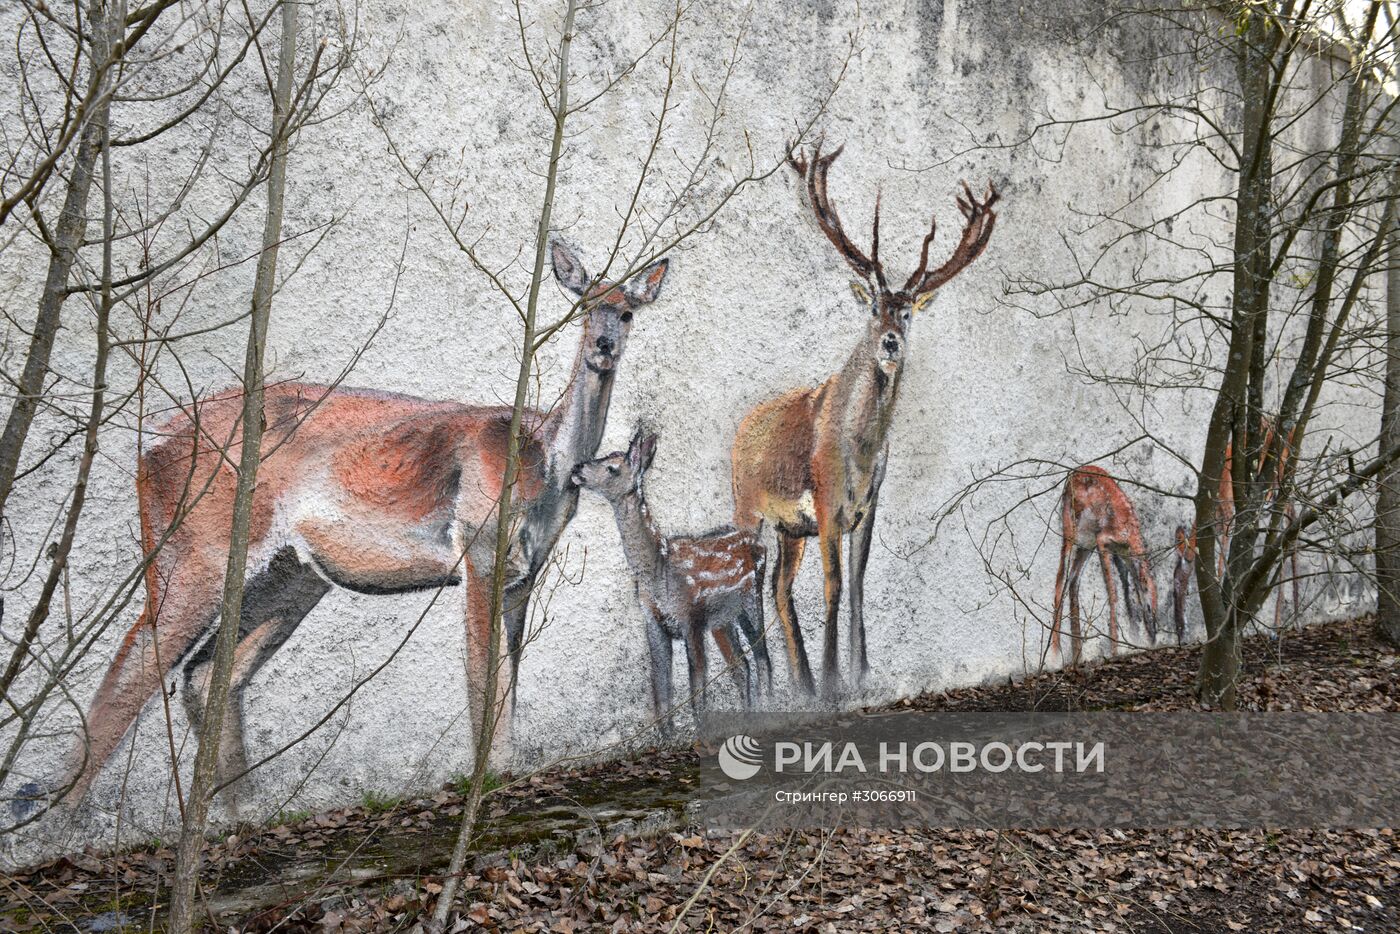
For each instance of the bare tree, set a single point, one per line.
(190, 83)
(188, 855)
(1256, 292)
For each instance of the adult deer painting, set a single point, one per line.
(1096, 516)
(811, 462)
(372, 491)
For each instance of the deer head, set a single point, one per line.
(891, 310)
(620, 473)
(608, 305)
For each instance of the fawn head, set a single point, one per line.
(620, 473)
(891, 310)
(607, 305)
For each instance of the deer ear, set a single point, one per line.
(567, 267)
(861, 293)
(646, 285)
(922, 300)
(634, 448)
(648, 450)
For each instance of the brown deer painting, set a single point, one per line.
(688, 585)
(1225, 527)
(811, 462)
(371, 491)
(1097, 516)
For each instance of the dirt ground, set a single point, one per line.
(544, 867)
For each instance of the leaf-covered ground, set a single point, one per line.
(380, 868)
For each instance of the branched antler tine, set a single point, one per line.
(875, 244)
(798, 164)
(920, 272)
(815, 171)
(977, 232)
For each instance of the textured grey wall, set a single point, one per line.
(753, 306)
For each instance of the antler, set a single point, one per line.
(977, 231)
(815, 172)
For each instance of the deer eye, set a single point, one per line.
(612, 470)
(626, 317)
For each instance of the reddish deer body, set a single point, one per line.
(372, 491)
(688, 585)
(1225, 513)
(1097, 516)
(811, 462)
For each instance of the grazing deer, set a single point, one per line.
(1225, 521)
(1097, 515)
(371, 491)
(811, 462)
(688, 585)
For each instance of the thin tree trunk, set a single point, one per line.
(1220, 658)
(67, 238)
(1388, 498)
(485, 729)
(190, 851)
(59, 561)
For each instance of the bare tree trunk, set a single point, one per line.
(1388, 498)
(485, 727)
(99, 127)
(188, 856)
(1220, 662)
(64, 242)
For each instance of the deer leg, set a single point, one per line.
(1066, 550)
(1132, 602)
(790, 549)
(829, 540)
(659, 647)
(515, 608)
(275, 602)
(487, 661)
(1076, 639)
(753, 635)
(1147, 595)
(859, 555)
(737, 663)
(1293, 563)
(1181, 583)
(1290, 514)
(755, 627)
(1107, 563)
(696, 657)
(180, 609)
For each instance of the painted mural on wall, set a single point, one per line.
(688, 585)
(1096, 517)
(382, 493)
(376, 492)
(1184, 544)
(810, 462)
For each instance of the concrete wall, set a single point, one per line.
(755, 305)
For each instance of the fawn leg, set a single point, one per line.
(659, 647)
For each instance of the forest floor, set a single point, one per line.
(606, 848)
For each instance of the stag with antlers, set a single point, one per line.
(1097, 516)
(811, 462)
